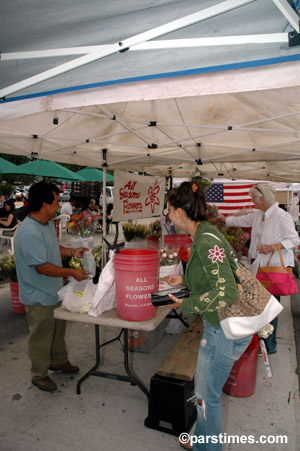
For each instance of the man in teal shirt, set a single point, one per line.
(40, 275)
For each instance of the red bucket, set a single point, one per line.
(153, 242)
(179, 239)
(242, 378)
(135, 273)
(17, 306)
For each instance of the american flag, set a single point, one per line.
(229, 198)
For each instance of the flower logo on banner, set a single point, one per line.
(216, 254)
(152, 198)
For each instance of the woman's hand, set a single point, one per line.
(220, 219)
(177, 304)
(173, 279)
(265, 248)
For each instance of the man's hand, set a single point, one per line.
(79, 252)
(80, 274)
(69, 252)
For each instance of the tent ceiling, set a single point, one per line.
(240, 134)
(113, 26)
(241, 123)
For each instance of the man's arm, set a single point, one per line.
(50, 270)
(71, 252)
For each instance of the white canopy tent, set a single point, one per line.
(233, 109)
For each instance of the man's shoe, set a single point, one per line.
(45, 384)
(66, 367)
(272, 352)
(185, 445)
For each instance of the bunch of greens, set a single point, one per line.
(141, 231)
(128, 230)
(8, 264)
(77, 263)
(155, 229)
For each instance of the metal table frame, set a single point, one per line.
(110, 319)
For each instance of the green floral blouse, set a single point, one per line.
(209, 275)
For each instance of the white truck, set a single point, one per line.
(109, 192)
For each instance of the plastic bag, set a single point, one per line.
(82, 242)
(74, 303)
(89, 263)
(105, 295)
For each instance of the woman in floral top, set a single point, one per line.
(211, 281)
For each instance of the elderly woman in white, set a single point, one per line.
(270, 226)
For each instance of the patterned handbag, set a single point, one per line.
(254, 307)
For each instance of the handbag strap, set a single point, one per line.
(280, 256)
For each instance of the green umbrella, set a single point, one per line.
(6, 167)
(94, 175)
(46, 168)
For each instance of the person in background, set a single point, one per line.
(109, 216)
(67, 208)
(22, 212)
(85, 206)
(77, 208)
(2, 199)
(271, 225)
(11, 216)
(24, 200)
(2, 209)
(19, 202)
(40, 276)
(93, 208)
(212, 283)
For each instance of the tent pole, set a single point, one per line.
(104, 165)
(293, 204)
(104, 203)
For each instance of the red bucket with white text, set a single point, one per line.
(17, 306)
(136, 272)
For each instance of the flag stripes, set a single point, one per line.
(229, 198)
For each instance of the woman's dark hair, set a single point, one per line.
(190, 197)
(11, 204)
(39, 193)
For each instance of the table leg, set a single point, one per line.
(132, 377)
(176, 315)
(85, 376)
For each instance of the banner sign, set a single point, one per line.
(137, 196)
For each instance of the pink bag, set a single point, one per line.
(278, 280)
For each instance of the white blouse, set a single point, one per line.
(278, 227)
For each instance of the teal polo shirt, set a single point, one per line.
(36, 244)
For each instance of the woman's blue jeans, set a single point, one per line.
(216, 357)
